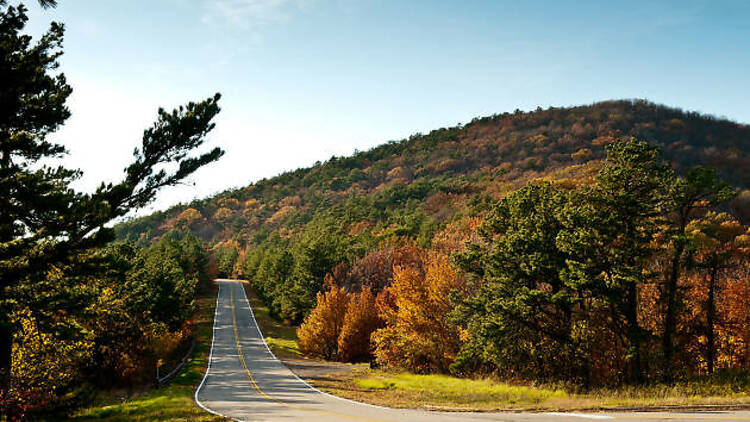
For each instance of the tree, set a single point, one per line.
(360, 321)
(320, 331)
(418, 334)
(717, 238)
(608, 233)
(523, 306)
(45, 223)
(700, 190)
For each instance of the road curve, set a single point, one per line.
(245, 382)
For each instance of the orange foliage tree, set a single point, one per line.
(360, 321)
(417, 335)
(721, 249)
(319, 333)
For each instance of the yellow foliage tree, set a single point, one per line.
(417, 335)
(360, 321)
(319, 333)
(189, 216)
(222, 215)
(42, 364)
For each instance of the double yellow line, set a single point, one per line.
(262, 393)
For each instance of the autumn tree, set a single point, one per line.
(360, 321)
(700, 190)
(319, 333)
(718, 240)
(417, 333)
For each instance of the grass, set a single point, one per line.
(443, 392)
(284, 347)
(457, 390)
(175, 400)
(404, 390)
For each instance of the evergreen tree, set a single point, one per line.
(523, 307)
(608, 237)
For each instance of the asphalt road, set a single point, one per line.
(246, 382)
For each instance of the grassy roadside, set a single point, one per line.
(404, 390)
(175, 400)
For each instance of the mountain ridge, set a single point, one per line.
(447, 167)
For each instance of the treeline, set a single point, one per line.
(116, 325)
(639, 276)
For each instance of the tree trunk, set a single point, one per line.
(711, 315)
(6, 349)
(634, 335)
(670, 318)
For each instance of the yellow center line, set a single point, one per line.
(262, 393)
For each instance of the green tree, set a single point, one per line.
(608, 233)
(158, 285)
(45, 223)
(523, 307)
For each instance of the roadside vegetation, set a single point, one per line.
(173, 401)
(442, 392)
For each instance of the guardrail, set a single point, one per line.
(166, 378)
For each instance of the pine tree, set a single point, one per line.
(608, 237)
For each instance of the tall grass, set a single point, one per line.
(459, 390)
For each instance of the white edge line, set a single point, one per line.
(252, 314)
(208, 366)
(579, 415)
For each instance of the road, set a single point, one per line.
(246, 382)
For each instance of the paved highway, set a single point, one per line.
(246, 382)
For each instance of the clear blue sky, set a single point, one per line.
(305, 79)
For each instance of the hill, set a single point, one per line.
(314, 218)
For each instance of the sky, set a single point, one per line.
(302, 80)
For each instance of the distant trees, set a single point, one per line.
(290, 276)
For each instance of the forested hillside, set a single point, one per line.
(416, 186)
(441, 170)
(560, 244)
